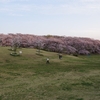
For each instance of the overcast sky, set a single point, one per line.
(79, 18)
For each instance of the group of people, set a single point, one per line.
(47, 61)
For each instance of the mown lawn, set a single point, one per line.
(28, 77)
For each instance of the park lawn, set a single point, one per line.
(28, 77)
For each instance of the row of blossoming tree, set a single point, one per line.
(61, 44)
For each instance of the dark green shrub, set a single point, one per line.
(14, 54)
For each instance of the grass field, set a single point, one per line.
(28, 77)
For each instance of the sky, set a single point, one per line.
(75, 18)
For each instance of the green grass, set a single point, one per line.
(28, 77)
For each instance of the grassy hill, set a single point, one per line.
(28, 77)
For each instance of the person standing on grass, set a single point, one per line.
(20, 52)
(60, 56)
(47, 61)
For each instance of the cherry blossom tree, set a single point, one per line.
(60, 44)
(16, 42)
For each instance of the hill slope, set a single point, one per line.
(28, 77)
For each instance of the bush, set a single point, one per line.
(14, 54)
(75, 54)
